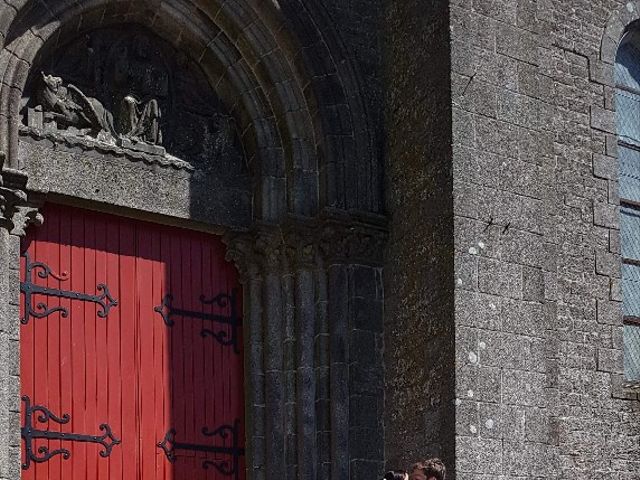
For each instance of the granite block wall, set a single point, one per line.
(539, 387)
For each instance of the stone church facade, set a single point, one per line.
(420, 197)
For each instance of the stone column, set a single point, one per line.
(353, 258)
(279, 346)
(254, 374)
(304, 261)
(338, 309)
(260, 261)
(15, 216)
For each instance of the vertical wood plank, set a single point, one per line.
(177, 354)
(144, 271)
(114, 353)
(102, 353)
(66, 364)
(79, 345)
(127, 307)
(90, 317)
(53, 344)
(198, 343)
(166, 288)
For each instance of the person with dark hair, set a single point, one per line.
(432, 469)
(396, 475)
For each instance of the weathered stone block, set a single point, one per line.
(610, 360)
(602, 119)
(479, 455)
(499, 278)
(606, 215)
(523, 388)
(609, 313)
(607, 264)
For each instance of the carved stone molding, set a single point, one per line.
(304, 243)
(358, 243)
(16, 214)
(88, 144)
(23, 217)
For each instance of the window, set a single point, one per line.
(627, 77)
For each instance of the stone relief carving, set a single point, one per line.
(125, 87)
(66, 107)
(141, 121)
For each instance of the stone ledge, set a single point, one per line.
(165, 161)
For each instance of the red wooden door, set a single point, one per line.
(131, 352)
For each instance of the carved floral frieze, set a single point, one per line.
(306, 243)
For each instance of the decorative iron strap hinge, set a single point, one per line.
(30, 433)
(225, 467)
(222, 300)
(104, 300)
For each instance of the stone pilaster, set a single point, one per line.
(16, 214)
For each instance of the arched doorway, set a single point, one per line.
(287, 177)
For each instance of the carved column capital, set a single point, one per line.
(302, 249)
(263, 249)
(302, 243)
(254, 252)
(239, 252)
(16, 214)
(352, 242)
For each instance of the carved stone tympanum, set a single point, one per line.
(127, 88)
